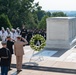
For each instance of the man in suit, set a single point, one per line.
(10, 44)
(19, 52)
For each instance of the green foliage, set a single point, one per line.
(30, 21)
(48, 14)
(4, 21)
(42, 23)
(17, 11)
(26, 12)
(58, 14)
(40, 14)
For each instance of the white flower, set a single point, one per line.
(37, 37)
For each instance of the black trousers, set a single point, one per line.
(10, 61)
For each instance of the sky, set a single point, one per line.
(65, 5)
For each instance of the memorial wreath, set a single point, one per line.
(35, 38)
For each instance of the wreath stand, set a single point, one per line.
(37, 46)
(40, 58)
(34, 63)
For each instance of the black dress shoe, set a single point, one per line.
(10, 69)
(19, 70)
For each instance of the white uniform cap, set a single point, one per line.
(13, 29)
(3, 28)
(18, 36)
(4, 42)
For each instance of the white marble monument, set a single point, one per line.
(61, 32)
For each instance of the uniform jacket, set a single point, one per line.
(10, 46)
(18, 48)
(4, 55)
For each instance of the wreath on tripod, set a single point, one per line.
(35, 40)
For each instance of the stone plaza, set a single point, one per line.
(54, 62)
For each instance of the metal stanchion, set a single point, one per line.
(31, 56)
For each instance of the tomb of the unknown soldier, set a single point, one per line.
(57, 58)
(61, 32)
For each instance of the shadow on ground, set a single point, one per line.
(51, 52)
(59, 53)
(48, 69)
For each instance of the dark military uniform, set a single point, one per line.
(10, 47)
(23, 32)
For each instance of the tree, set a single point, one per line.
(42, 23)
(48, 13)
(18, 11)
(4, 21)
(25, 12)
(58, 14)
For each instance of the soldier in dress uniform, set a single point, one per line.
(14, 35)
(18, 31)
(23, 32)
(10, 44)
(0, 35)
(29, 36)
(4, 55)
(8, 32)
(19, 51)
(3, 34)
